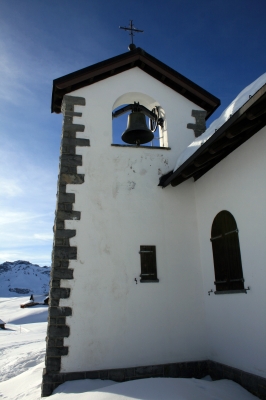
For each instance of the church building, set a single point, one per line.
(158, 264)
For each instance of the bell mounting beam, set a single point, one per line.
(136, 107)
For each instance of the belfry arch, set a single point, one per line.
(160, 135)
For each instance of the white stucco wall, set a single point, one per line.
(237, 322)
(116, 322)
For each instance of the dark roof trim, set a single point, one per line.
(247, 121)
(136, 58)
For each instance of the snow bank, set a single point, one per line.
(24, 386)
(236, 104)
(22, 349)
(22, 343)
(155, 389)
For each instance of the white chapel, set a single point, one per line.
(159, 237)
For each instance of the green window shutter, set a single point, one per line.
(226, 253)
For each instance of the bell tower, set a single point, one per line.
(122, 267)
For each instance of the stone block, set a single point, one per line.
(53, 364)
(58, 331)
(54, 302)
(261, 392)
(92, 374)
(60, 320)
(216, 371)
(104, 374)
(59, 224)
(129, 373)
(56, 351)
(68, 207)
(61, 206)
(72, 100)
(65, 233)
(62, 252)
(60, 311)
(55, 283)
(60, 293)
(142, 372)
(56, 264)
(72, 114)
(52, 378)
(70, 127)
(68, 170)
(157, 370)
(55, 342)
(117, 375)
(66, 198)
(249, 382)
(47, 389)
(200, 126)
(62, 188)
(203, 368)
(68, 160)
(229, 373)
(61, 242)
(64, 263)
(67, 107)
(82, 142)
(68, 133)
(68, 150)
(72, 376)
(68, 119)
(62, 273)
(73, 179)
(59, 342)
(50, 341)
(172, 370)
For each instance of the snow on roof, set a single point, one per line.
(236, 104)
(1, 322)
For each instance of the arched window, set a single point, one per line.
(226, 253)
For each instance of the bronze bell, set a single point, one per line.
(137, 131)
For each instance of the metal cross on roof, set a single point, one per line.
(132, 29)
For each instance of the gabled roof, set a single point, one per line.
(248, 120)
(135, 58)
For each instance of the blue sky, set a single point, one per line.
(218, 44)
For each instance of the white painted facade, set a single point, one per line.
(117, 323)
(236, 323)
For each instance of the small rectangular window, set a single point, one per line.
(148, 264)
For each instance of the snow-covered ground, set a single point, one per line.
(22, 349)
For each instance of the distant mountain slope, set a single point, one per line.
(22, 278)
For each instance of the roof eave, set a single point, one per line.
(136, 58)
(180, 175)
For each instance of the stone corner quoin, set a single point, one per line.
(62, 251)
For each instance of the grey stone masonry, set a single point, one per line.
(192, 369)
(200, 126)
(62, 251)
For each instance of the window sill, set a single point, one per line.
(141, 147)
(230, 291)
(149, 280)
